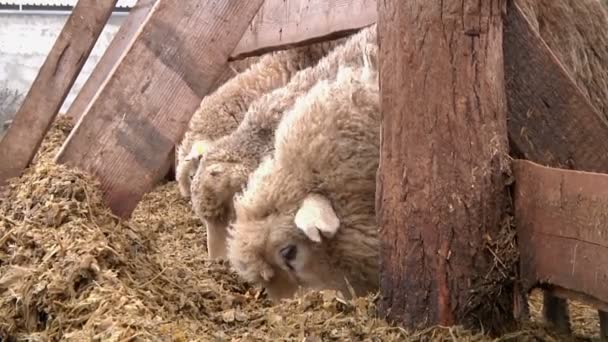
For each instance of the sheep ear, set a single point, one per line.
(316, 216)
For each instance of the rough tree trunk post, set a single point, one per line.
(443, 168)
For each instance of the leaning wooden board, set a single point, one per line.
(53, 83)
(126, 135)
(550, 120)
(106, 63)
(562, 220)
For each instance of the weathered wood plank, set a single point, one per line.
(106, 63)
(51, 86)
(550, 120)
(126, 135)
(286, 23)
(562, 217)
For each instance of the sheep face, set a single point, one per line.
(287, 252)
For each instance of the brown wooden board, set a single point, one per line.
(126, 135)
(550, 120)
(284, 23)
(112, 54)
(562, 220)
(50, 88)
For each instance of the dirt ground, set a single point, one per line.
(70, 270)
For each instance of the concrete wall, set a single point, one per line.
(26, 39)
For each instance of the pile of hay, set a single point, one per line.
(70, 270)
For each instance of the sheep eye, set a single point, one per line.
(289, 254)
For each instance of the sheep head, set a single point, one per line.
(287, 252)
(187, 164)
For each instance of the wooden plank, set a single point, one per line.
(562, 217)
(51, 86)
(126, 135)
(106, 63)
(547, 111)
(287, 23)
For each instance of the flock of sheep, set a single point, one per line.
(280, 164)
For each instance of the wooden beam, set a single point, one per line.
(51, 86)
(126, 135)
(287, 23)
(561, 218)
(441, 183)
(106, 63)
(550, 120)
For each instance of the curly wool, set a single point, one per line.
(221, 112)
(327, 144)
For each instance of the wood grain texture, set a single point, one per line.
(441, 182)
(562, 217)
(126, 136)
(117, 47)
(547, 111)
(287, 23)
(52, 84)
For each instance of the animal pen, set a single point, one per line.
(462, 84)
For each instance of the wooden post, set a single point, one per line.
(55, 79)
(106, 63)
(444, 149)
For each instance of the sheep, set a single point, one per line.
(224, 169)
(306, 218)
(222, 111)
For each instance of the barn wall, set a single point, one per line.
(25, 41)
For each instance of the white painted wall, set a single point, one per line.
(26, 39)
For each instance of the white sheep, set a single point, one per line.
(228, 162)
(222, 111)
(306, 218)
